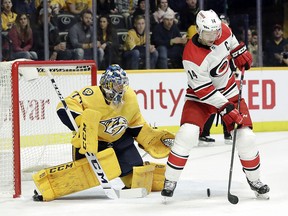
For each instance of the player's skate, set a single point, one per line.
(206, 141)
(261, 190)
(168, 190)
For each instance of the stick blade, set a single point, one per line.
(233, 199)
(111, 193)
(132, 193)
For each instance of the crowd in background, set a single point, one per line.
(121, 35)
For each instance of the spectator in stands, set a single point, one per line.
(108, 41)
(57, 49)
(105, 7)
(56, 6)
(274, 48)
(253, 48)
(80, 38)
(177, 5)
(188, 14)
(163, 7)
(134, 46)
(126, 7)
(52, 13)
(167, 38)
(191, 31)
(224, 19)
(8, 17)
(21, 36)
(24, 7)
(140, 9)
(76, 7)
(285, 55)
(59, 5)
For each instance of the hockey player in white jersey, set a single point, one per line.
(212, 89)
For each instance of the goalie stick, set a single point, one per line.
(110, 192)
(233, 199)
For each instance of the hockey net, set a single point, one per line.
(32, 136)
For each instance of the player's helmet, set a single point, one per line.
(208, 25)
(114, 82)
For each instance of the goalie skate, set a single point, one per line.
(261, 190)
(37, 197)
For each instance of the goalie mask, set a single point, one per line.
(208, 26)
(114, 82)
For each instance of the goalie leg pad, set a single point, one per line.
(71, 177)
(158, 175)
(127, 180)
(143, 177)
(156, 142)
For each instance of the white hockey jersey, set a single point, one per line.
(210, 79)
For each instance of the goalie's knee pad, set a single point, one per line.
(141, 177)
(245, 143)
(185, 139)
(158, 175)
(150, 176)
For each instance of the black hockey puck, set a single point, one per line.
(208, 192)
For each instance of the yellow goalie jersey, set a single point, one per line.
(113, 120)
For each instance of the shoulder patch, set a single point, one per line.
(87, 92)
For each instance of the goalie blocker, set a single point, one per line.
(71, 177)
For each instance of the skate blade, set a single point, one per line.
(205, 144)
(262, 196)
(165, 200)
(132, 193)
(228, 142)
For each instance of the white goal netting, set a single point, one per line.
(43, 140)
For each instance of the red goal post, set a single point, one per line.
(32, 136)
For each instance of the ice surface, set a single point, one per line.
(207, 167)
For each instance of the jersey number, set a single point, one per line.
(192, 74)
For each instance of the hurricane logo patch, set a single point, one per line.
(220, 69)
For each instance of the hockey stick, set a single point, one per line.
(94, 162)
(233, 198)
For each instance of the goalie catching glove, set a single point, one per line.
(155, 142)
(242, 57)
(87, 136)
(230, 115)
